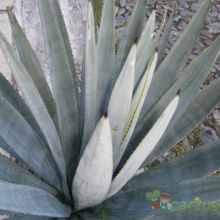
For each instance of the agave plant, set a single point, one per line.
(75, 153)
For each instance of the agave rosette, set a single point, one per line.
(77, 151)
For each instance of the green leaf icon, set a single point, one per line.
(150, 196)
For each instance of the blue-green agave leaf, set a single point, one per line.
(32, 64)
(12, 172)
(8, 150)
(194, 164)
(23, 142)
(31, 200)
(184, 122)
(91, 78)
(175, 60)
(107, 216)
(136, 22)
(63, 81)
(105, 54)
(145, 48)
(189, 81)
(78, 76)
(30, 217)
(137, 204)
(165, 36)
(36, 105)
(6, 213)
(9, 92)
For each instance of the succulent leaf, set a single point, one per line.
(36, 105)
(30, 217)
(136, 22)
(12, 172)
(91, 79)
(32, 65)
(145, 48)
(94, 172)
(144, 148)
(8, 213)
(77, 148)
(189, 81)
(31, 200)
(165, 36)
(189, 118)
(13, 127)
(135, 204)
(8, 92)
(63, 81)
(194, 164)
(175, 60)
(120, 101)
(105, 53)
(136, 106)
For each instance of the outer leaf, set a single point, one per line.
(206, 188)
(135, 203)
(164, 39)
(7, 213)
(140, 154)
(105, 55)
(91, 187)
(87, 216)
(91, 78)
(193, 164)
(75, 71)
(36, 105)
(145, 49)
(6, 147)
(29, 217)
(175, 60)
(203, 102)
(8, 92)
(12, 172)
(137, 104)
(129, 36)
(13, 127)
(30, 200)
(63, 84)
(120, 101)
(189, 81)
(32, 65)
(157, 38)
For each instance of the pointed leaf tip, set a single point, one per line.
(94, 173)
